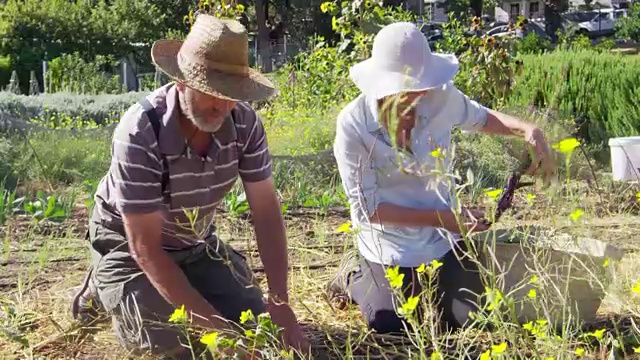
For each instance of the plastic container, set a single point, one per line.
(625, 158)
(572, 274)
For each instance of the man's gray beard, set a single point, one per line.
(203, 126)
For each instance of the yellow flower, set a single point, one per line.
(636, 288)
(532, 294)
(410, 305)
(638, 197)
(533, 280)
(334, 24)
(499, 349)
(530, 198)
(579, 351)
(436, 355)
(577, 214)
(636, 350)
(179, 315)
(246, 315)
(486, 355)
(606, 262)
(325, 6)
(567, 146)
(345, 228)
(421, 269)
(437, 153)
(394, 276)
(240, 8)
(209, 339)
(493, 193)
(435, 264)
(598, 334)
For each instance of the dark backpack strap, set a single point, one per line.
(154, 119)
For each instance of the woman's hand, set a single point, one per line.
(469, 220)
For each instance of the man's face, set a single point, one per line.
(206, 112)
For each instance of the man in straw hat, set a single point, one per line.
(388, 143)
(175, 155)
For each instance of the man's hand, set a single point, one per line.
(272, 246)
(283, 316)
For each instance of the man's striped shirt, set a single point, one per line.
(133, 183)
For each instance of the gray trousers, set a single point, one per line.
(457, 284)
(140, 314)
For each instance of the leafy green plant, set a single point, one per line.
(358, 21)
(236, 204)
(487, 65)
(629, 27)
(90, 186)
(218, 8)
(51, 207)
(14, 323)
(71, 73)
(322, 202)
(7, 203)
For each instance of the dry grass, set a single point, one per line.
(41, 265)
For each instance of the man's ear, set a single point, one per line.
(180, 87)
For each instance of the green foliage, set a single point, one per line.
(61, 157)
(37, 30)
(598, 89)
(487, 65)
(5, 70)
(218, 8)
(45, 207)
(533, 44)
(71, 73)
(358, 21)
(7, 203)
(629, 27)
(303, 82)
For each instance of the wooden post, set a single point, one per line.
(124, 75)
(44, 76)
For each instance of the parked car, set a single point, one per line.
(503, 30)
(595, 23)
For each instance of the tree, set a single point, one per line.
(552, 18)
(264, 48)
(37, 30)
(629, 27)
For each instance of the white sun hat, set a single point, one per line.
(402, 61)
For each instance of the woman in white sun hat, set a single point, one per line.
(403, 213)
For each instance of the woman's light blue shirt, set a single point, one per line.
(370, 173)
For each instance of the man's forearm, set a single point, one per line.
(272, 245)
(502, 124)
(395, 215)
(174, 287)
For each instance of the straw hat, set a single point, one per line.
(213, 59)
(402, 61)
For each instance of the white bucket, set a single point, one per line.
(625, 158)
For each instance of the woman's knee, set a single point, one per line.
(385, 322)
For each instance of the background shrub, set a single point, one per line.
(600, 90)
